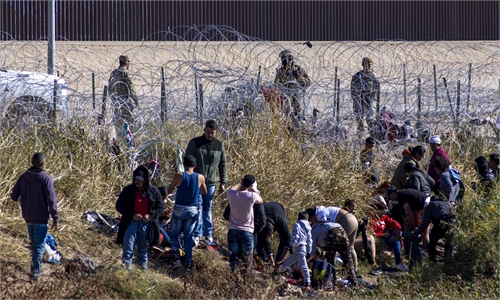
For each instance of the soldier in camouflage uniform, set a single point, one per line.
(364, 87)
(332, 238)
(124, 97)
(292, 80)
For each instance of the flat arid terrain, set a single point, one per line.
(221, 64)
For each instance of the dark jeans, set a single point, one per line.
(442, 230)
(240, 245)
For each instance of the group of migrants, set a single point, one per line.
(402, 209)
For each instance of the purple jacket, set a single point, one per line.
(38, 198)
(431, 171)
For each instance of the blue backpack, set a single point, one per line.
(457, 179)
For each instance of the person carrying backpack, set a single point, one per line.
(449, 186)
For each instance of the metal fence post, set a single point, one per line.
(163, 100)
(338, 100)
(54, 99)
(404, 88)
(335, 95)
(448, 96)
(200, 89)
(458, 102)
(419, 97)
(469, 89)
(104, 97)
(93, 91)
(435, 87)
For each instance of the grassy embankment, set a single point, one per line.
(296, 174)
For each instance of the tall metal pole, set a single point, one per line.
(404, 89)
(419, 97)
(435, 87)
(335, 94)
(51, 37)
(469, 89)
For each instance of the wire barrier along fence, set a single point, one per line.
(212, 76)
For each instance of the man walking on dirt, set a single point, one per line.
(364, 87)
(210, 156)
(292, 80)
(124, 98)
(35, 190)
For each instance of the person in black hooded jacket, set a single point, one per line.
(140, 205)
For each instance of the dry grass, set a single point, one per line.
(289, 168)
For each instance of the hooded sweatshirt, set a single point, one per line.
(421, 181)
(399, 178)
(35, 190)
(126, 206)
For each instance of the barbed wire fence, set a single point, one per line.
(218, 75)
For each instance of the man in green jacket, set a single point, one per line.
(210, 157)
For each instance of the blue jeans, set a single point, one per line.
(240, 245)
(166, 237)
(37, 234)
(396, 248)
(205, 213)
(136, 233)
(183, 219)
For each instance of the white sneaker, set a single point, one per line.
(196, 241)
(401, 267)
(210, 241)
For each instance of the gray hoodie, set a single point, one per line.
(421, 181)
(319, 233)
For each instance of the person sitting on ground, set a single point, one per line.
(441, 213)
(387, 229)
(418, 179)
(487, 181)
(301, 242)
(338, 215)
(163, 218)
(189, 186)
(448, 188)
(494, 164)
(363, 242)
(412, 155)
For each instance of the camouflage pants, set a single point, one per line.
(123, 113)
(363, 110)
(336, 241)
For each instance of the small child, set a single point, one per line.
(302, 243)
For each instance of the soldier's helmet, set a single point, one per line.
(286, 53)
(124, 58)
